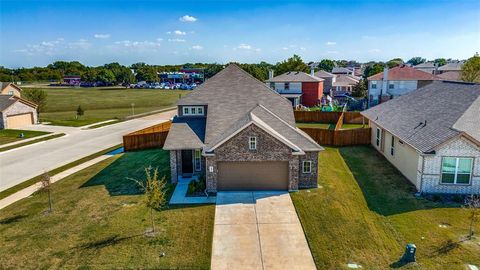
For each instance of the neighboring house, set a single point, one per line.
(10, 89)
(344, 84)
(432, 136)
(298, 87)
(16, 112)
(241, 135)
(73, 80)
(395, 82)
(429, 67)
(450, 76)
(328, 79)
(451, 67)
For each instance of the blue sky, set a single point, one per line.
(36, 33)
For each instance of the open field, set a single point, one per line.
(100, 104)
(365, 212)
(98, 221)
(13, 135)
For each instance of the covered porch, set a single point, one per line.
(186, 163)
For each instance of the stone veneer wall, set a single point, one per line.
(268, 149)
(17, 108)
(173, 166)
(308, 180)
(432, 167)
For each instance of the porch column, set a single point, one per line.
(173, 166)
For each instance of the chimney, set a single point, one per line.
(384, 82)
(312, 71)
(270, 74)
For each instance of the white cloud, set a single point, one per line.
(285, 48)
(303, 49)
(176, 40)
(332, 52)
(188, 18)
(331, 43)
(179, 33)
(244, 46)
(159, 39)
(139, 44)
(168, 32)
(80, 44)
(101, 36)
(374, 50)
(197, 47)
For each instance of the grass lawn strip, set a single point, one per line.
(38, 178)
(365, 212)
(98, 221)
(13, 135)
(104, 124)
(54, 136)
(316, 125)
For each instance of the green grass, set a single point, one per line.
(353, 126)
(104, 124)
(365, 212)
(60, 169)
(316, 125)
(98, 222)
(54, 136)
(101, 104)
(13, 135)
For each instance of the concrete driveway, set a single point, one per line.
(26, 162)
(258, 230)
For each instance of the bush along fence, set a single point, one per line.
(151, 137)
(337, 136)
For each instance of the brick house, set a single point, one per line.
(432, 136)
(242, 136)
(15, 112)
(298, 87)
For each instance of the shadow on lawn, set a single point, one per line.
(12, 219)
(117, 176)
(385, 189)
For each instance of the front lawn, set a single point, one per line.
(365, 212)
(100, 104)
(13, 135)
(99, 222)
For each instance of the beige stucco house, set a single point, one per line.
(10, 89)
(432, 136)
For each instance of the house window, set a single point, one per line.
(392, 147)
(306, 166)
(378, 137)
(197, 159)
(391, 86)
(456, 170)
(287, 86)
(374, 85)
(193, 110)
(10, 93)
(272, 85)
(252, 143)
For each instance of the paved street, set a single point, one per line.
(26, 162)
(258, 230)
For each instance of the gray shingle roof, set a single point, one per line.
(453, 66)
(231, 95)
(323, 74)
(345, 80)
(341, 70)
(431, 115)
(295, 76)
(6, 101)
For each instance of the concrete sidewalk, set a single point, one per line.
(258, 230)
(24, 193)
(180, 192)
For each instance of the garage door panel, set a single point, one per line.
(267, 175)
(19, 120)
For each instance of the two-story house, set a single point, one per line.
(240, 135)
(298, 87)
(15, 112)
(395, 82)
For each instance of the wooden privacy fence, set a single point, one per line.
(343, 137)
(151, 137)
(328, 117)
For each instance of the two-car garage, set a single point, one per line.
(252, 175)
(19, 120)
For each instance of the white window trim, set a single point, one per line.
(199, 158)
(457, 159)
(309, 167)
(392, 147)
(378, 137)
(193, 110)
(252, 143)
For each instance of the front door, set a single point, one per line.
(187, 161)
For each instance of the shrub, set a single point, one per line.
(192, 187)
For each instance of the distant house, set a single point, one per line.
(16, 112)
(451, 67)
(73, 80)
(432, 136)
(450, 76)
(344, 84)
(298, 87)
(395, 82)
(328, 79)
(429, 67)
(10, 89)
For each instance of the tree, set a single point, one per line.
(395, 62)
(46, 187)
(294, 63)
(473, 204)
(326, 64)
(80, 111)
(373, 69)
(147, 73)
(125, 77)
(105, 75)
(155, 197)
(471, 69)
(416, 60)
(37, 96)
(360, 89)
(440, 61)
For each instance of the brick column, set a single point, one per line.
(173, 166)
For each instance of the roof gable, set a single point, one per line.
(295, 76)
